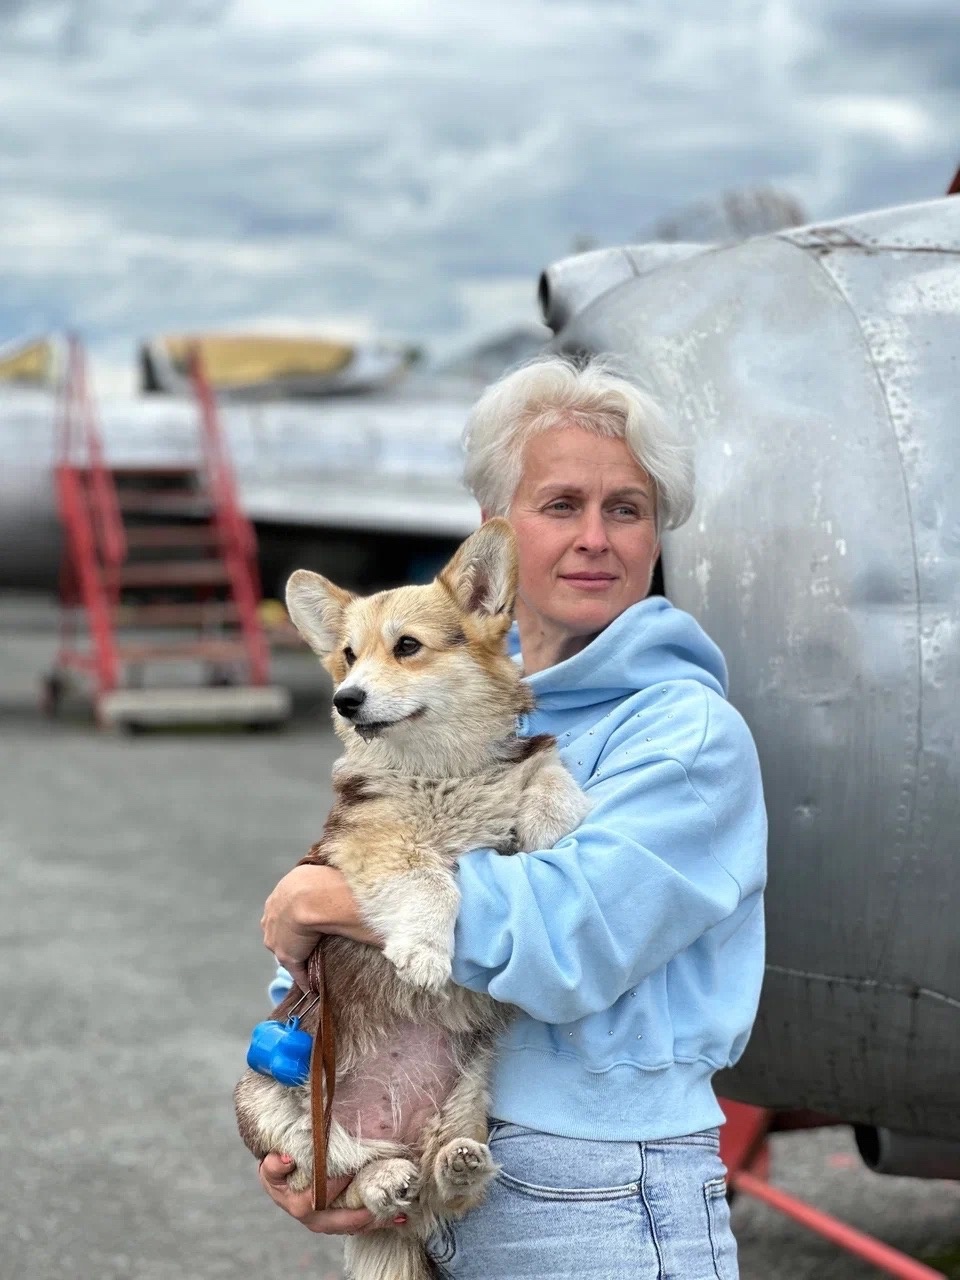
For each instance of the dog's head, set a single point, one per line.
(421, 670)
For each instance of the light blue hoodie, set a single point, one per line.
(634, 948)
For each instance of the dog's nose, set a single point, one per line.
(349, 701)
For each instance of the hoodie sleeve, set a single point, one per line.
(667, 853)
(280, 985)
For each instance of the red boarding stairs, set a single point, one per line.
(160, 562)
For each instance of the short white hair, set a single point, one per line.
(553, 392)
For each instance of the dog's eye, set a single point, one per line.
(406, 646)
(349, 656)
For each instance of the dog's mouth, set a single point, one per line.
(370, 729)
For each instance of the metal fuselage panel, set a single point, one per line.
(816, 375)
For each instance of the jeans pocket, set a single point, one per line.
(542, 1166)
(722, 1241)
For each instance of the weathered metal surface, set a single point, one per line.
(816, 374)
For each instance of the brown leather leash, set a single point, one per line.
(323, 1066)
(323, 1078)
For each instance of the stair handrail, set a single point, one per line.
(236, 530)
(234, 523)
(79, 431)
(96, 597)
(93, 529)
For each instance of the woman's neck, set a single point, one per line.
(543, 646)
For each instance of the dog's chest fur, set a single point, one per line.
(383, 822)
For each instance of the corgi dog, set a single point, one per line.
(425, 702)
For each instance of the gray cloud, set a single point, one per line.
(413, 166)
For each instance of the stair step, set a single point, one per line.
(145, 471)
(155, 708)
(164, 471)
(184, 651)
(191, 614)
(171, 535)
(176, 501)
(174, 573)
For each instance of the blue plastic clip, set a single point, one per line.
(281, 1050)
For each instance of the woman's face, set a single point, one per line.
(584, 514)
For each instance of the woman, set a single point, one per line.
(634, 947)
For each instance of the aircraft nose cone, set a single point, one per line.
(349, 701)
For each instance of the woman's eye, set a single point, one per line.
(349, 656)
(561, 505)
(406, 646)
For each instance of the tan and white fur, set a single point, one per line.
(432, 768)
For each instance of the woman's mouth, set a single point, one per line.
(588, 581)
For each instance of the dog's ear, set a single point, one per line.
(316, 608)
(483, 574)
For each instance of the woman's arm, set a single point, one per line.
(308, 902)
(667, 853)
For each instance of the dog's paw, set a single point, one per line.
(420, 966)
(389, 1187)
(463, 1167)
(507, 843)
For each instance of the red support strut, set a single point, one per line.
(744, 1150)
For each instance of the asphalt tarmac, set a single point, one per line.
(134, 872)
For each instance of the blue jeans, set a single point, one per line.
(567, 1207)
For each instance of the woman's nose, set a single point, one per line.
(592, 532)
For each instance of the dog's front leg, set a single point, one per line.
(415, 913)
(551, 807)
(385, 1187)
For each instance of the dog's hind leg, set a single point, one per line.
(273, 1117)
(456, 1162)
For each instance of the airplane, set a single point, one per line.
(814, 373)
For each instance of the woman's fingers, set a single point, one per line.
(274, 1171)
(299, 974)
(293, 916)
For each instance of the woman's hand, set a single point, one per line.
(308, 902)
(274, 1170)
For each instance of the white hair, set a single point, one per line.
(552, 392)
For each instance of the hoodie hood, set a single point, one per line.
(650, 642)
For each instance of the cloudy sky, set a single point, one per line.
(408, 166)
